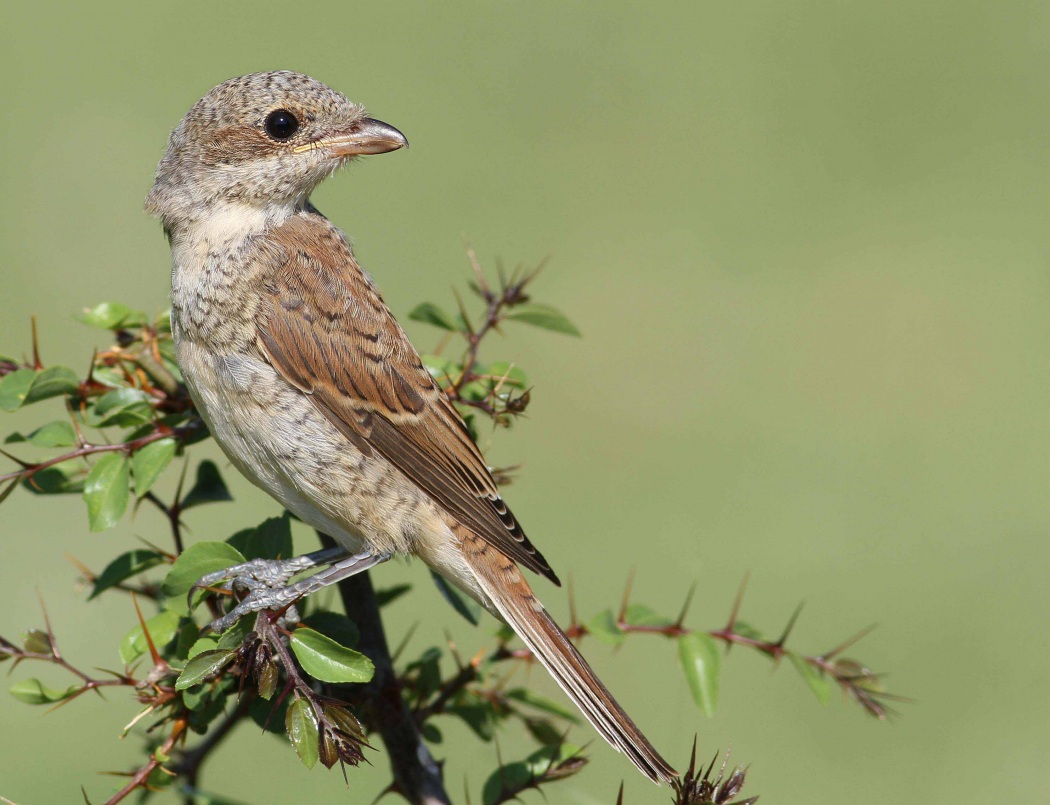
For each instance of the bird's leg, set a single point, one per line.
(266, 581)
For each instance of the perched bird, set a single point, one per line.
(311, 387)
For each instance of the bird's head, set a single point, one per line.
(264, 140)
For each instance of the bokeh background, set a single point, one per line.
(807, 246)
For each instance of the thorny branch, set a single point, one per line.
(398, 705)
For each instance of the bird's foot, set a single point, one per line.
(266, 581)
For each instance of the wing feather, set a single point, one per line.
(325, 329)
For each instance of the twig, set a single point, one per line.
(417, 776)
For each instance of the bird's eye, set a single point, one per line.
(281, 124)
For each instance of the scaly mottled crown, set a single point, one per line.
(222, 151)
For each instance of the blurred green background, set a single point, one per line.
(806, 245)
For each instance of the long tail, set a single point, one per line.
(506, 588)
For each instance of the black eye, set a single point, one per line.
(281, 124)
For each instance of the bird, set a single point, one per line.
(311, 387)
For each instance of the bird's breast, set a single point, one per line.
(275, 435)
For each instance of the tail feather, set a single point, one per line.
(502, 582)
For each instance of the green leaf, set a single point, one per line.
(54, 434)
(387, 595)
(106, 491)
(301, 725)
(268, 716)
(701, 662)
(441, 368)
(505, 374)
(185, 638)
(818, 683)
(24, 386)
(745, 629)
(476, 715)
(37, 641)
(196, 561)
(508, 777)
(207, 643)
(124, 567)
(429, 313)
(202, 666)
(545, 316)
(147, 463)
(271, 539)
(14, 387)
(604, 627)
(430, 733)
(467, 607)
(334, 625)
(33, 691)
(67, 477)
(325, 660)
(112, 316)
(125, 407)
(641, 615)
(52, 382)
(208, 488)
(549, 762)
(235, 636)
(161, 628)
(427, 673)
(526, 696)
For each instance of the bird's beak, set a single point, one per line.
(367, 136)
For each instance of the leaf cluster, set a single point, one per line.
(128, 423)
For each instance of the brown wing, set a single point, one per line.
(325, 328)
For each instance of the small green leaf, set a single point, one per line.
(112, 316)
(161, 628)
(202, 666)
(325, 660)
(185, 638)
(641, 615)
(604, 627)
(67, 477)
(544, 316)
(818, 683)
(208, 488)
(476, 715)
(388, 595)
(37, 641)
(551, 763)
(701, 662)
(207, 643)
(467, 607)
(745, 629)
(124, 407)
(429, 313)
(53, 434)
(147, 463)
(52, 382)
(334, 625)
(271, 539)
(196, 561)
(270, 717)
(33, 691)
(508, 777)
(441, 368)
(430, 733)
(301, 725)
(14, 387)
(106, 491)
(505, 374)
(235, 636)
(526, 696)
(124, 567)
